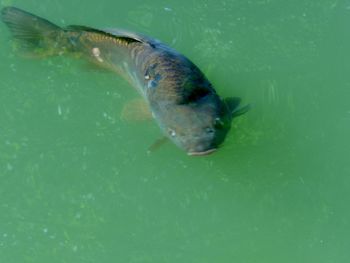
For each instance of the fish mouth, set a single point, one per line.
(202, 153)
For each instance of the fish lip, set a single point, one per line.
(202, 153)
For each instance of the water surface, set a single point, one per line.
(77, 184)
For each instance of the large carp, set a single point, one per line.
(181, 99)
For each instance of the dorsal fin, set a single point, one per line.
(115, 33)
(137, 36)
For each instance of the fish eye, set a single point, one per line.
(171, 132)
(218, 123)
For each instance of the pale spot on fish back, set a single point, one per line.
(96, 51)
(97, 54)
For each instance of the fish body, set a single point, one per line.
(182, 100)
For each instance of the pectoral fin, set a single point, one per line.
(136, 110)
(233, 106)
(241, 110)
(157, 144)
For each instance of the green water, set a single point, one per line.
(77, 184)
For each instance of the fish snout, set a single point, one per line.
(201, 144)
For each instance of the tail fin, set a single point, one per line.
(34, 35)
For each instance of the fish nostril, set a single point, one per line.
(209, 130)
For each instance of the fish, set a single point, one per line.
(181, 99)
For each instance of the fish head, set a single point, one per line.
(187, 107)
(198, 128)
